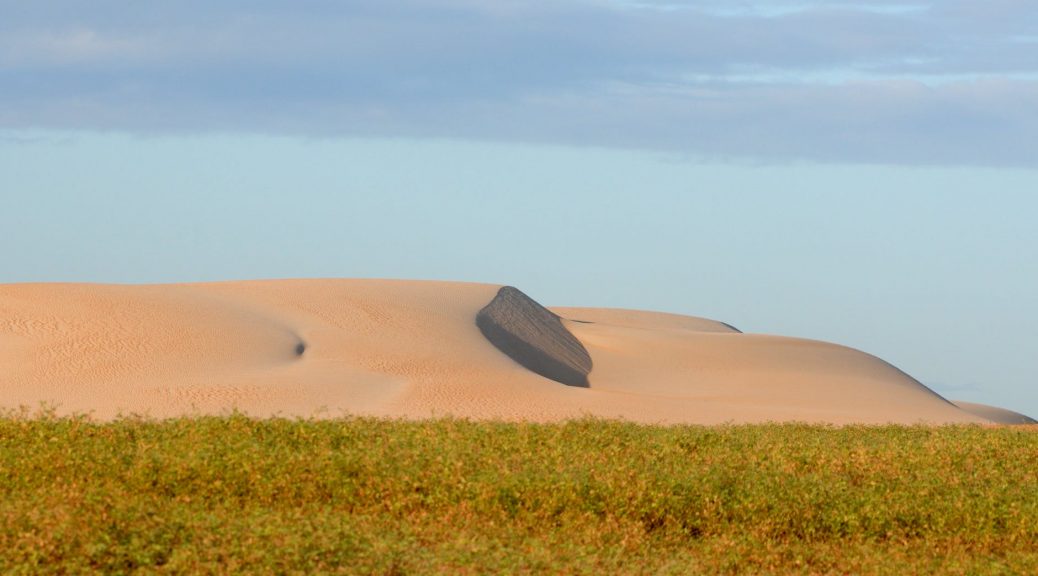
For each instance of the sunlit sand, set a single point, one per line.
(413, 349)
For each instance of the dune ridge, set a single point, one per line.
(643, 319)
(418, 349)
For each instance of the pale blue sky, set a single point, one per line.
(861, 172)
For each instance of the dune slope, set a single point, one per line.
(419, 349)
(996, 414)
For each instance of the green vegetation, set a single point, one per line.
(219, 495)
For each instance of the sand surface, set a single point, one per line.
(329, 348)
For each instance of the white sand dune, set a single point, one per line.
(412, 349)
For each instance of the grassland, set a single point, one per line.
(220, 495)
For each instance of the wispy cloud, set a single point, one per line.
(905, 82)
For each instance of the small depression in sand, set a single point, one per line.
(410, 349)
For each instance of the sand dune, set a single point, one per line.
(995, 414)
(418, 349)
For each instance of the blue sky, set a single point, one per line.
(862, 173)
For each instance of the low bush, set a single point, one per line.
(368, 496)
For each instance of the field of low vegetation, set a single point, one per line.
(364, 496)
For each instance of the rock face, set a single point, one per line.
(535, 337)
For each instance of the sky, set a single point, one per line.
(862, 173)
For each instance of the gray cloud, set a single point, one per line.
(951, 82)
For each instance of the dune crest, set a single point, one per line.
(643, 319)
(534, 337)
